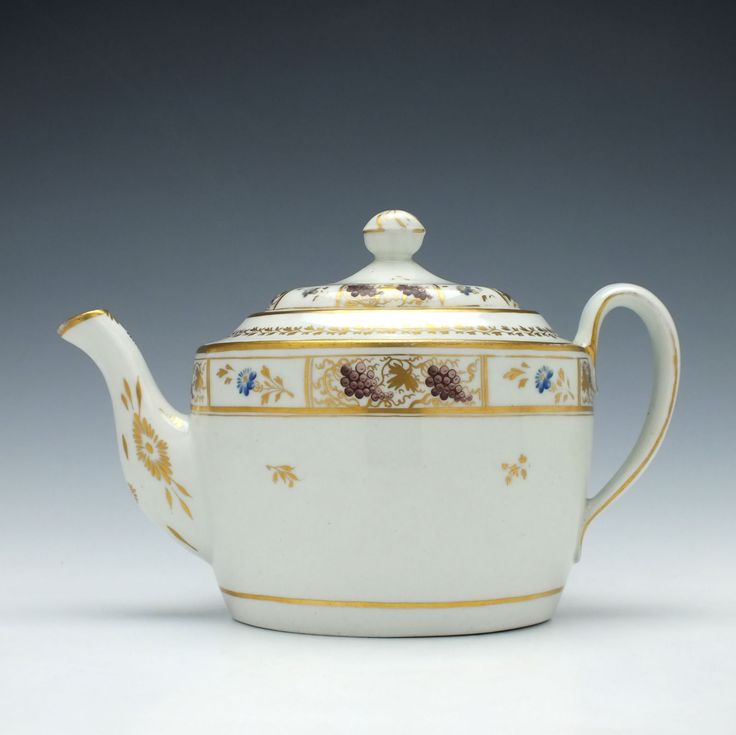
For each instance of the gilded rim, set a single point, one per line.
(79, 318)
(305, 344)
(392, 605)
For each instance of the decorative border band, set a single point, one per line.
(398, 384)
(392, 605)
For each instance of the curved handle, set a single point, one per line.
(666, 346)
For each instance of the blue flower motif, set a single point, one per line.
(467, 290)
(246, 380)
(543, 378)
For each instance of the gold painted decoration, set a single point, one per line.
(476, 330)
(390, 605)
(269, 386)
(519, 374)
(393, 381)
(150, 450)
(515, 470)
(199, 382)
(562, 389)
(181, 538)
(283, 473)
(394, 384)
(272, 387)
(555, 380)
(585, 381)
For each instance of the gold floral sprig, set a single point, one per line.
(284, 473)
(151, 450)
(272, 386)
(516, 470)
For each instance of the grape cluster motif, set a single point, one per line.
(418, 292)
(362, 289)
(359, 381)
(445, 383)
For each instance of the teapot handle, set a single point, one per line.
(666, 349)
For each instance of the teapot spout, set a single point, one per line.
(154, 439)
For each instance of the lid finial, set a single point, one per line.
(393, 235)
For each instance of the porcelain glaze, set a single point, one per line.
(391, 455)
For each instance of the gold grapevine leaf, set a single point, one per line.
(221, 372)
(169, 499)
(127, 390)
(125, 447)
(182, 489)
(523, 382)
(124, 400)
(138, 391)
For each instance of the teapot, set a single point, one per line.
(393, 454)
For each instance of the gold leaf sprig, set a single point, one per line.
(516, 470)
(272, 386)
(518, 374)
(284, 473)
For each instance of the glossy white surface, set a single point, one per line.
(120, 633)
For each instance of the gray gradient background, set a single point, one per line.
(180, 164)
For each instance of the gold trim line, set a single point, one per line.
(305, 344)
(392, 605)
(417, 230)
(370, 410)
(396, 309)
(79, 318)
(652, 450)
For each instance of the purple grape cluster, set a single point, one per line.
(362, 289)
(445, 383)
(418, 292)
(360, 381)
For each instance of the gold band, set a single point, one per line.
(418, 230)
(378, 411)
(83, 317)
(395, 309)
(303, 344)
(392, 605)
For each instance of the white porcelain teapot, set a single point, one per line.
(391, 455)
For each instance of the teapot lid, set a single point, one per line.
(389, 300)
(394, 280)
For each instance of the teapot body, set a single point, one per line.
(392, 454)
(410, 515)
